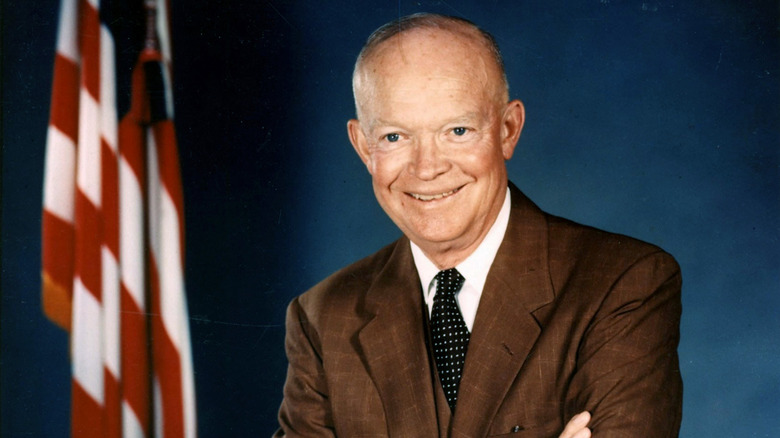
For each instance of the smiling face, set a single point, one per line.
(434, 132)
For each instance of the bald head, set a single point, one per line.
(403, 43)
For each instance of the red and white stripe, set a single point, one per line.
(113, 233)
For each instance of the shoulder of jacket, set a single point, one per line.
(350, 281)
(587, 242)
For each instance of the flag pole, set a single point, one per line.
(149, 52)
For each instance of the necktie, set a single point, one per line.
(449, 332)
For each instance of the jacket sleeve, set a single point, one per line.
(628, 373)
(305, 409)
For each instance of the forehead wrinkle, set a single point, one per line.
(412, 50)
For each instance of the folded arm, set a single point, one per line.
(627, 367)
(305, 410)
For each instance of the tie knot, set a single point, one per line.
(448, 282)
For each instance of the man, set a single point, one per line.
(540, 318)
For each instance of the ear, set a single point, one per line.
(511, 126)
(359, 142)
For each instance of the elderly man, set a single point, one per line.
(489, 317)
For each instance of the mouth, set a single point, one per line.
(428, 198)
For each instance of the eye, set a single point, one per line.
(459, 131)
(392, 138)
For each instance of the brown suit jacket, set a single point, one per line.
(571, 318)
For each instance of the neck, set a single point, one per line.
(446, 255)
(447, 259)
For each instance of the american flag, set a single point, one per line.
(113, 225)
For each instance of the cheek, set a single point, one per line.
(482, 158)
(488, 171)
(386, 167)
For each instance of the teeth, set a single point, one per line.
(432, 197)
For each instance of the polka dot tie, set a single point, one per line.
(449, 332)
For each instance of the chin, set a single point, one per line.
(435, 236)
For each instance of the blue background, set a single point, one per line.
(657, 119)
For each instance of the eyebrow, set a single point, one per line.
(377, 122)
(467, 117)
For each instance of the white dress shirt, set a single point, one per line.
(474, 269)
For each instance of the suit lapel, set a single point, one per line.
(393, 347)
(504, 329)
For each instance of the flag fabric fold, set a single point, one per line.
(113, 222)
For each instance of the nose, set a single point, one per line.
(428, 161)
